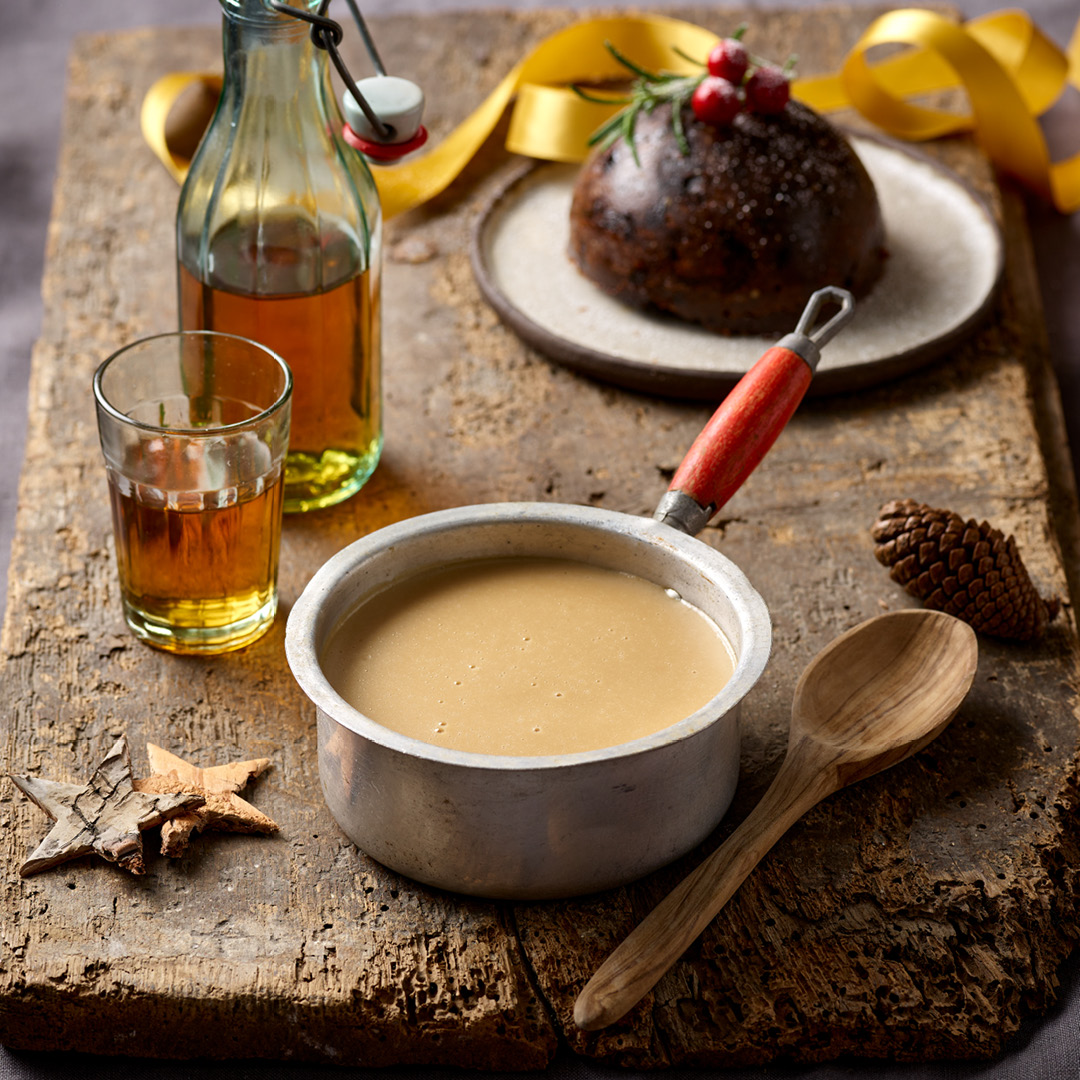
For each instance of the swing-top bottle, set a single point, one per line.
(278, 240)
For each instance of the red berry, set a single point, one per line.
(715, 101)
(728, 60)
(767, 90)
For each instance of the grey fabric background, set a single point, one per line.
(35, 36)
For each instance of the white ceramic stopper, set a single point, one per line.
(398, 102)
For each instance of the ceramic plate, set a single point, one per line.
(945, 261)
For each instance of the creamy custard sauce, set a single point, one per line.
(526, 656)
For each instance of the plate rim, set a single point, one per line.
(698, 383)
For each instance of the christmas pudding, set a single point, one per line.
(721, 201)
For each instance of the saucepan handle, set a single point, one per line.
(751, 417)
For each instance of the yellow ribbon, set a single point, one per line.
(157, 107)
(1010, 71)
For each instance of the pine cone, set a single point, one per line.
(964, 569)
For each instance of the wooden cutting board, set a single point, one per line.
(923, 914)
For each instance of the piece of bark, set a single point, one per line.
(105, 815)
(225, 812)
(222, 809)
(233, 776)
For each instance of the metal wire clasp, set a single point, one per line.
(389, 113)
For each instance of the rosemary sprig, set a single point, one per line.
(652, 88)
(649, 89)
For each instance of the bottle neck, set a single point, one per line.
(272, 172)
(260, 11)
(268, 52)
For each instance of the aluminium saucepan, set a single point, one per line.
(560, 825)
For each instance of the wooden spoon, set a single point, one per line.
(870, 699)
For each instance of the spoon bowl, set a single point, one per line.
(891, 683)
(873, 697)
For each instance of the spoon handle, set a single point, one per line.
(637, 964)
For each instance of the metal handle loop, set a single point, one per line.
(824, 334)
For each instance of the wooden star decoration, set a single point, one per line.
(222, 809)
(106, 815)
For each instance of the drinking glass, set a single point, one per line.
(194, 427)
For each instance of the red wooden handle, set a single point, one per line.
(743, 428)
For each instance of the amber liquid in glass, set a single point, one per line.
(198, 568)
(329, 336)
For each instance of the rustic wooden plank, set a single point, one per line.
(923, 914)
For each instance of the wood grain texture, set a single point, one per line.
(923, 913)
(869, 700)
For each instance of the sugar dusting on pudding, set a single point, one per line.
(736, 234)
(525, 656)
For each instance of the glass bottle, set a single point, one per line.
(279, 240)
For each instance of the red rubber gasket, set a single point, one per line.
(378, 151)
